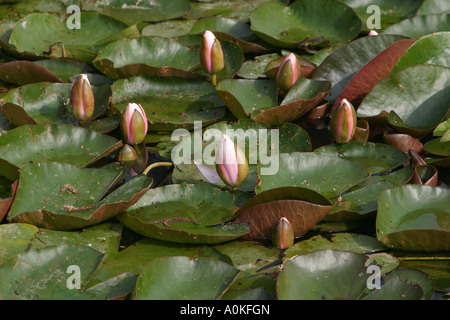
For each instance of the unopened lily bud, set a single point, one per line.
(82, 98)
(373, 33)
(343, 122)
(211, 54)
(283, 236)
(288, 72)
(127, 155)
(231, 163)
(133, 124)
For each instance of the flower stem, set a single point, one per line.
(157, 164)
(213, 79)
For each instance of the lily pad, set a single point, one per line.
(410, 108)
(132, 12)
(67, 193)
(436, 146)
(180, 278)
(304, 95)
(16, 238)
(50, 36)
(205, 208)
(429, 49)
(25, 276)
(340, 66)
(254, 69)
(169, 103)
(434, 6)
(135, 257)
(60, 143)
(25, 72)
(414, 217)
(305, 22)
(374, 157)
(323, 274)
(391, 11)
(421, 25)
(326, 174)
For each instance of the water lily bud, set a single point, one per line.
(283, 236)
(288, 72)
(82, 98)
(343, 122)
(373, 33)
(231, 163)
(211, 54)
(127, 155)
(134, 124)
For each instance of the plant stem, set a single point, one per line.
(213, 79)
(157, 164)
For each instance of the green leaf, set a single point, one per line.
(16, 238)
(169, 103)
(26, 276)
(340, 66)
(436, 146)
(410, 108)
(39, 33)
(414, 217)
(421, 25)
(60, 143)
(434, 6)
(180, 278)
(326, 174)
(60, 196)
(429, 49)
(305, 21)
(374, 157)
(323, 275)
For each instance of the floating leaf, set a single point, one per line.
(59, 143)
(420, 26)
(180, 278)
(414, 217)
(305, 21)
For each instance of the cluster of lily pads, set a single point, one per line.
(365, 191)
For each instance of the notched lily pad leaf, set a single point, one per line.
(414, 217)
(191, 213)
(71, 197)
(180, 278)
(305, 22)
(59, 143)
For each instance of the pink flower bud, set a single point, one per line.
(343, 122)
(82, 98)
(211, 54)
(231, 163)
(134, 124)
(288, 72)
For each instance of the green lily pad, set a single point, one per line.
(434, 6)
(44, 34)
(132, 12)
(205, 208)
(65, 69)
(323, 275)
(305, 22)
(351, 242)
(104, 237)
(66, 192)
(429, 49)
(391, 11)
(60, 143)
(436, 146)
(115, 288)
(374, 157)
(304, 95)
(147, 56)
(254, 69)
(421, 25)
(340, 66)
(26, 276)
(168, 28)
(326, 174)
(169, 103)
(47, 103)
(16, 238)
(244, 97)
(414, 217)
(409, 108)
(135, 257)
(180, 278)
